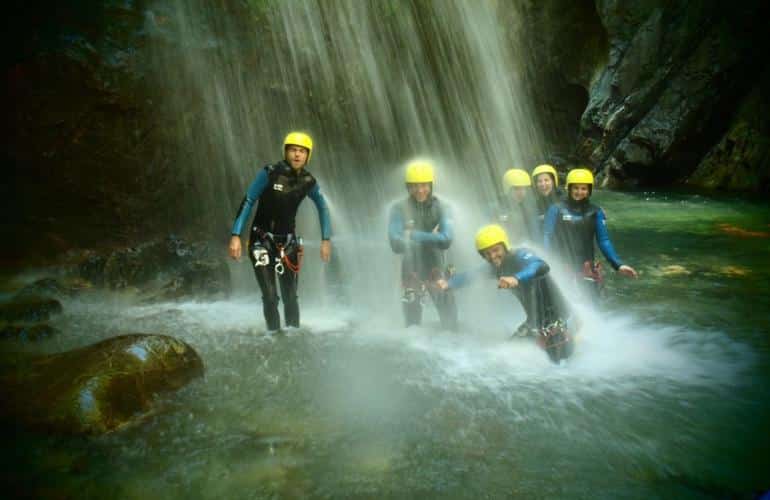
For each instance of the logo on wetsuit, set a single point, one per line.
(278, 187)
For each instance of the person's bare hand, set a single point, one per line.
(628, 271)
(235, 249)
(508, 282)
(326, 250)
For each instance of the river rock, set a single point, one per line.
(101, 387)
(33, 333)
(29, 309)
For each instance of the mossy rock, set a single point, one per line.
(98, 388)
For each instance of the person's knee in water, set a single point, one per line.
(420, 229)
(274, 248)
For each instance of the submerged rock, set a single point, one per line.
(30, 309)
(52, 288)
(27, 332)
(101, 387)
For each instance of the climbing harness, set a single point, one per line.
(281, 254)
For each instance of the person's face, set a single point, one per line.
(579, 192)
(518, 193)
(544, 184)
(296, 156)
(495, 254)
(420, 191)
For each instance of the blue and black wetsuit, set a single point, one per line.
(538, 295)
(543, 203)
(422, 232)
(570, 229)
(280, 189)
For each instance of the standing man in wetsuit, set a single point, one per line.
(420, 228)
(518, 212)
(526, 275)
(274, 247)
(571, 226)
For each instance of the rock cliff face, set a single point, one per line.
(91, 159)
(677, 96)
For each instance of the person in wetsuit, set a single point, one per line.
(274, 247)
(571, 226)
(526, 275)
(547, 192)
(420, 228)
(517, 211)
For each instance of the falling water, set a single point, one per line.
(658, 401)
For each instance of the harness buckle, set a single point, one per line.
(261, 256)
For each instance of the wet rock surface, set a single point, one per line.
(34, 332)
(30, 309)
(161, 269)
(98, 388)
(671, 92)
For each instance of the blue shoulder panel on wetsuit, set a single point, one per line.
(252, 195)
(323, 211)
(532, 265)
(603, 240)
(549, 225)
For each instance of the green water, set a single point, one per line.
(665, 397)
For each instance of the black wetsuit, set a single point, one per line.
(546, 310)
(539, 297)
(571, 228)
(430, 231)
(280, 189)
(543, 203)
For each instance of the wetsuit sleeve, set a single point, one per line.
(603, 240)
(464, 279)
(549, 226)
(252, 195)
(441, 238)
(323, 211)
(396, 230)
(531, 265)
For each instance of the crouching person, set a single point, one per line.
(526, 275)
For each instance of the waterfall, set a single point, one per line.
(376, 84)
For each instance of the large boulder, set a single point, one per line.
(98, 388)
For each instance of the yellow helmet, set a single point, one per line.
(491, 235)
(516, 177)
(580, 176)
(299, 139)
(419, 172)
(546, 169)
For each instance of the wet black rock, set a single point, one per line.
(30, 309)
(52, 288)
(98, 388)
(162, 269)
(33, 332)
